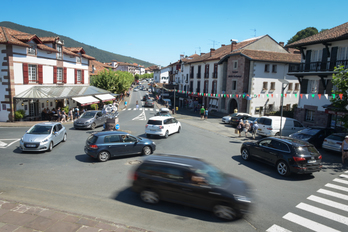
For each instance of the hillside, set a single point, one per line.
(100, 55)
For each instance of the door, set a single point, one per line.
(130, 145)
(113, 144)
(99, 119)
(278, 150)
(55, 135)
(263, 150)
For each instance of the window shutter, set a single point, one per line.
(54, 75)
(324, 60)
(64, 76)
(82, 76)
(75, 76)
(25, 74)
(333, 58)
(308, 60)
(304, 85)
(40, 74)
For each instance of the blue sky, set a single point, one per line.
(159, 31)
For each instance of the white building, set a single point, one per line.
(161, 75)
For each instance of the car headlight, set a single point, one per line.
(153, 143)
(44, 141)
(87, 122)
(242, 198)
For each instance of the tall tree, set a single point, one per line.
(340, 81)
(309, 31)
(115, 82)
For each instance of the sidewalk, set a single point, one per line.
(21, 217)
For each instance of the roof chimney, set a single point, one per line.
(202, 53)
(233, 44)
(212, 51)
(281, 44)
(222, 45)
(182, 56)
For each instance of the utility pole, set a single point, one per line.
(286, 83)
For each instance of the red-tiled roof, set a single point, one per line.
(49, 39)
(77, 50)
(270, 56)
(7, 36)
(98, 67)
(88, 57)
(46, 48)
(68, 52)
(337, 33)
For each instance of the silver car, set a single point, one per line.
(43, 137)
(90, 120)
(334, 142)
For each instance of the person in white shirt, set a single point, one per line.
(345, 149)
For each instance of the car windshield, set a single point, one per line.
(155, 122)
(213, 175)
(87, 115)
(92, 139)
(338, 137)
(40, 130)
(309, 131)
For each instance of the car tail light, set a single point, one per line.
(161, 127)
(93, 146)
(146, 126)
(135, 176)
(269, 128)
(320, 157)
(325, 140)
(339, 143)
(298, 159)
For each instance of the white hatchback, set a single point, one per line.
(162, 126)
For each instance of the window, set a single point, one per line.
(313, 86)
(78, 59)
(342, 53)
(235, 64)
(234, 85)
(59, 75)
(264, 87)
(266, 67)
(274, 68)
(272, 85)
(309, 115)
(297, 124)
(297, 86)
(316, 55)
(32, 50)
(280, 146)
(78, 75)
(290, 87)
(112, 139)
(32, 73)
(59, 49)
(257, 110)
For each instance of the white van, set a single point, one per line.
(270, 126)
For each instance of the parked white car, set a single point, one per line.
(270, 126)
(162, 126)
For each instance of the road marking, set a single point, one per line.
(341, 181)
(129, 109)
(337, 187)
(146, 109)
(276, 228)
(312, 225)
(345, 176)
(6, 145)
(141, 116)
(333, 194)
(328, 202)
(324, 213)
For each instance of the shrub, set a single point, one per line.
(66, 109)
(19, 114)
(94, 106)
(108, 102)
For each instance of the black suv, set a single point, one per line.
(235, 119)
(287, 154)
(193, 182)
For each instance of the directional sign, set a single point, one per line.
(117, 126)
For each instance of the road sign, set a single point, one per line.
(117, 126)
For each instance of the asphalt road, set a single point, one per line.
(67, 179)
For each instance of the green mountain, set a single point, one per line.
(100, 55)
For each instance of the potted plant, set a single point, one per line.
(19, 115)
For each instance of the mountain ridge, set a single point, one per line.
(100, 55)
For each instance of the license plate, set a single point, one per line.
(152, 130)
(31, 145)
(259, 129)
(331, 142)
(311, 161)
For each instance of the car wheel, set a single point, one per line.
(50, 147)
(225, 212)
(179, 129)
(167, 134)
(103, 156)
(245, 154)
(149, 196)
(64, 138)
(147, 150)
(283, 168)
(93, 126)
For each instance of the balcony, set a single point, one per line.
(214, 75)
(198, 90)
(198, 76)
(206, 75)
(191, 89)
(213, 91)
(317, 66)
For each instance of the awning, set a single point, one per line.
(105, 97)
(84, 101)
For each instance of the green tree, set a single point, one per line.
(309, 31)
(113, 81)
(340, 81)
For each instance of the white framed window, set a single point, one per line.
(272, 85)
(309, 115)
(265, 86)
(32, 73)
(78, 75)
(297, 86)
(59, 75)
(313, 86)
(60, 51)
(235, 64)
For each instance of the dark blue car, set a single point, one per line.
(107, 144)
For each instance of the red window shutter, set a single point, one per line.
(64, 76)
(25, 74)
(82, 76)
(54, 75)
(40, 74)
(75, 76)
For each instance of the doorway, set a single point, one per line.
(233, 105)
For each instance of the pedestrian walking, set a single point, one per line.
(255, 127)
(345, 149)
(137, 105)
(125, 104)
(246, 128)
(59, 113)
(202, 112)
(71, 115)
(240, 127)
(206, 114)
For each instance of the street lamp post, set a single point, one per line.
(286, 83)
(174, 100)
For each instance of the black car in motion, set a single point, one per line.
(288, 155)
(191, 181)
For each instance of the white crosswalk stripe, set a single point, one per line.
(329, 203)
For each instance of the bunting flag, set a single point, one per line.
(341, 95)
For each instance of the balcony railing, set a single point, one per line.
(215, 75)
(213, 91)
(198, 76)
(206, 75)
(317, 66)
(198, 90)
